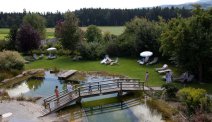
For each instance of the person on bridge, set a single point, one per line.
(69, 89)
(89, 87)
(56, 93)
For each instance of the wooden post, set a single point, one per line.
(100, 89)
(49, 107)
(143, 86)
(45, 103)
(121, 86)
(98, 85)
(79, 91)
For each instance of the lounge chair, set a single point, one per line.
(180, 78)
(164, 71)
(41, 56)
(155, 60)
(52, 56)
(140, 62)
(114, 62)
(106, 60)
(35, 57)
(165, 66)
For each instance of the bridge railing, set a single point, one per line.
(98, 87)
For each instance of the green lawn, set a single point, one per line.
(127, 67)
(116, 30)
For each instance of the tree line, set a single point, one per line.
(98, 16)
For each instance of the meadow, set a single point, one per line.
(116, 30)
(127, 67)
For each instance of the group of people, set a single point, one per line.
(69, 89)
(168, 77)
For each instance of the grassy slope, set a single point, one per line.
(127, 67)
(117, 30)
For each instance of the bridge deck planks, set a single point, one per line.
(66, 74)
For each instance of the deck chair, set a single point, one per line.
(35, 56)
(140, 62)
(41, 56)
(114, 62)
(180, 78)
(164, 71)
(165, 66)
(155, 60)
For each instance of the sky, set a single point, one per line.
(64, 5)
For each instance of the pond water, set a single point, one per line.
(129, 110)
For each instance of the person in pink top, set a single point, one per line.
(56, 93)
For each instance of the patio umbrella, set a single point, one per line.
(51, 49)
(146, 54)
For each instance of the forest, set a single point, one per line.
(98, 16)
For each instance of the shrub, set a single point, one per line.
(3, 44)
(171, 90)
(91, 50)
(11, 60)
(195, 99)
(61, 52)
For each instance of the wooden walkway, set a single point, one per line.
(92, 89)
(66, 74)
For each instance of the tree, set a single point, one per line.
(188, 42)
(12, 44)
(28, 38)
(37, 22)
(141, 34)
(70, 32)
(93, 34)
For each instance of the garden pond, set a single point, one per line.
(103, 108)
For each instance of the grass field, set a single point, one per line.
(126, 67)
(116, 30)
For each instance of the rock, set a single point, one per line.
(5, 80)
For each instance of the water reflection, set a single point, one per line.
(131, 110)
(34, 84)
(18, 90)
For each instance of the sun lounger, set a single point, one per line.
(106, 60)
(164, 71)
(114, 62)
(35, 57)
(165, 66)
(140, 62)
(155, 60)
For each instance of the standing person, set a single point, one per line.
(89, 87)
(146, 77)
(69, 89)
(56, 93)
(168, 77)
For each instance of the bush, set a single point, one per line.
(195, 99)
(171, 90)
(91, 50)
(63, 52)
(11, 60)
(3, 45)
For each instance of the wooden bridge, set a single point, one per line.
(91, 89)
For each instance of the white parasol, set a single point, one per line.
(51, 49)
(146, 54)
